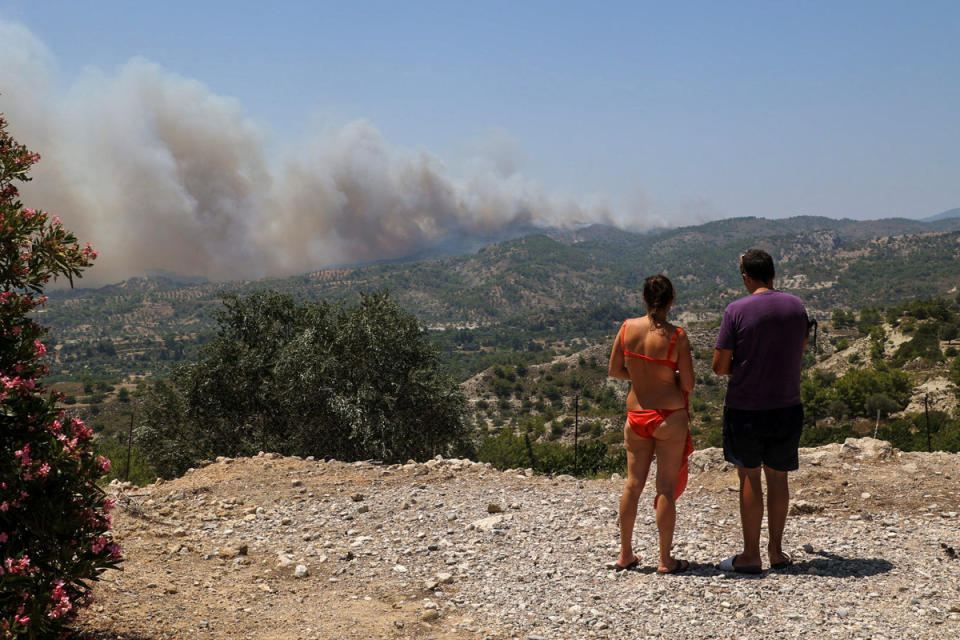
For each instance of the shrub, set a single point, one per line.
(138, 471)
(506, 450)
(348, 382)
(556, 430)
(858, 385)
(54, 522)
(925, 344)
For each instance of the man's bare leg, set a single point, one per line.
(751, 516)
(778, 503)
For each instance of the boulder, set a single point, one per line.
(866, 449)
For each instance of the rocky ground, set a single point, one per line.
(285, 548)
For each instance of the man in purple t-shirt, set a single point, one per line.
(760, 347)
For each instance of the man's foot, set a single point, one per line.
(729, 565)
(679, 566)
(630, 566)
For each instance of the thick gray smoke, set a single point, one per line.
(157, 172)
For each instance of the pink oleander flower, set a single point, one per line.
(59, 600)
(115, 552)
(103, 464)
(3, 537)
(99, 544)
(56, 220)
(109, 504)
(24, 455)
(18, 567)
(40, 348)
(44, 470)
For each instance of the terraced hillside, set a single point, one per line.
(547, 282)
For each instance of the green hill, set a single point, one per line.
(552, 286)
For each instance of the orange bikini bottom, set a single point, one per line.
(644, 422)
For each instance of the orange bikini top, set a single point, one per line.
(666, 363)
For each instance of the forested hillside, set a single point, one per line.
(537, 289)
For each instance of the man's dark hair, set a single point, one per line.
(758, 264)
(657, 292)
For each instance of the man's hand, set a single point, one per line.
(722, 361)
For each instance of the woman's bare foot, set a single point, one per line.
(677, 566)
(620, 565)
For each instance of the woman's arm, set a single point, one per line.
(618, 365)
(685, 364)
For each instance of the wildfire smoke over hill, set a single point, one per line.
(158, 172)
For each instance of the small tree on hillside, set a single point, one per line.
(53, 517)
(343, 381)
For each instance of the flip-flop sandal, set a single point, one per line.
(629, 567)
(783, 564)
(728, 566)
(680, 567)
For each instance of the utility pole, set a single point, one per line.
(576, 434)
(926, 414)
(126, 474)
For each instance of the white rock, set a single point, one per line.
(866, 449)
(487, 524)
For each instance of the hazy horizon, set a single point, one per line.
(243, 141)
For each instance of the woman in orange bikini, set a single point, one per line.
(655, 357)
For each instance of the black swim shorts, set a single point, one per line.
(769, 437)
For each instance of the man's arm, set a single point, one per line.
(722, 361)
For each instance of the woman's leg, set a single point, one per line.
(639, 457)
(670, 438)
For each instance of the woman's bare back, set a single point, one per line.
(654, 385)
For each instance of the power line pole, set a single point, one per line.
(126, 474)
(576, 434)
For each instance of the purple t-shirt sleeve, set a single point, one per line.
(726, 339)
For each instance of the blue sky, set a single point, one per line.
(658, 113)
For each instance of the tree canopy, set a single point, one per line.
(329, 380)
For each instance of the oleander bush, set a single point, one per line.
(54, 521)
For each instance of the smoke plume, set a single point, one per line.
(158, 172)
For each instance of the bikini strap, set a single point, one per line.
(673, 341)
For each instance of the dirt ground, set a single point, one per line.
(211, 554)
